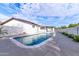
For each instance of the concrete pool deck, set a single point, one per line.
(8, 48)
(60, 45)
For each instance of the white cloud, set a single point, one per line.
(3, 17)
(63, 11)
(21, 16)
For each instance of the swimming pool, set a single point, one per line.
(32, 40)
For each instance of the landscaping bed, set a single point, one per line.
(74, 37)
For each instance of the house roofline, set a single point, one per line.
(17, 19)
(25, 21)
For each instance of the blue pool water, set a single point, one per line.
(34, 39)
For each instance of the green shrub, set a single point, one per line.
(70, 35)
(76, 38)
(64, 33)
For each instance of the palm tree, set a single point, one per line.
(0, 28)
(2, 32)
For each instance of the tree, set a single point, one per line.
(73, 25)
(64, 27)
(1, 29)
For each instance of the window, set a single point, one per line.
(33, 26)
(42, 27)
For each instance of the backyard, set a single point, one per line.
(60, 45)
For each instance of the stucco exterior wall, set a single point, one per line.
(14, 26)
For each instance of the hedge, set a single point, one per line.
(74, 37)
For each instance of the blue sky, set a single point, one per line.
(55, 14)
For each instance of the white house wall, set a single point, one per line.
(12, 30)
(25, 27)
